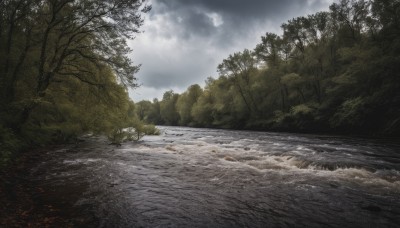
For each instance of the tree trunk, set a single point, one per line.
(42, 62)
(283, 100)
(243, 96)
(8, 50)
(10, 90)
(302, 94)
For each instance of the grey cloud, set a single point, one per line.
(189, 21)
(238, 16)
(182, 45)
(160, 73)
(239, 12)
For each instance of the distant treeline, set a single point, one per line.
(336, 71)
(64, 70)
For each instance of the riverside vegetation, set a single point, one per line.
(332, 72)
(64, 71)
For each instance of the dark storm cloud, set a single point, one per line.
(184, 40)
(238, 8)
(236, 14)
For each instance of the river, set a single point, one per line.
(189, 177)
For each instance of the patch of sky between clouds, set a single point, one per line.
(216, 19)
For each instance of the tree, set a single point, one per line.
(143, 109)
(64, 68)
(53, 40)
(168, 108)
(295, 33)
(240, 67)
(351, 15)
(269, 51)
(202, 110)
(185, 104)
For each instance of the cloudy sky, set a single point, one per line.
(184, 40)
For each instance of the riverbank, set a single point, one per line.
(24, 203)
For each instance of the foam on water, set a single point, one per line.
(297, 160)
(80, 161)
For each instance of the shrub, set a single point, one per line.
(150, 130)
(118, 135)
(350, 114)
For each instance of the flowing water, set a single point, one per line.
(189, 177)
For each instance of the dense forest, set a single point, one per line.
(65, 71)
(333, 72)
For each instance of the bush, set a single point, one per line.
(150, 130)
(350, 114)
(118, 135)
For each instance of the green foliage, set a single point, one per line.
(202, 110)
(301, 109)
(64, 71)
(185, 104)
(350, 114)
(149, 129)
(118, 136)
(168, 111)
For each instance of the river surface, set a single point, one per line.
(189, 177)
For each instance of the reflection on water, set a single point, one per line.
(190, 177)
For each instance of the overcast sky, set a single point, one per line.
(184, 40)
